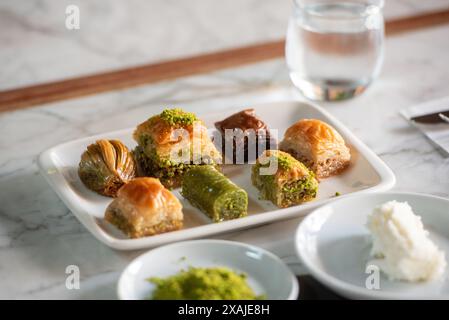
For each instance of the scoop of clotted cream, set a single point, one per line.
(401, 246)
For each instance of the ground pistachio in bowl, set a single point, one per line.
(217, 283)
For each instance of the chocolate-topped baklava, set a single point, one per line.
(244, 137)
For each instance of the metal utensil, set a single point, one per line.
(432, 118)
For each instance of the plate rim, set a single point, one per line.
(294, 292)
(351, 290)
(60, 186)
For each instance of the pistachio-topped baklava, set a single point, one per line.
(283, 180)
(170, 143)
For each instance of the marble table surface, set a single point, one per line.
(39, 237)
(37, 47)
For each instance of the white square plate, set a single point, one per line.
(366, 173)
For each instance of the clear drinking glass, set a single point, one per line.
(334, 49)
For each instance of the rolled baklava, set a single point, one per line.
(283, 180)
(214, 194)
(319, 146)
(144, 207)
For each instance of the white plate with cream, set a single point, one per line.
(334, 243)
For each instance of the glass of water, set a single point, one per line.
(334, 48)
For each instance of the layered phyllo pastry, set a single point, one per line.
(218, 197)
(244, 136)
(171, 143)
(105, 166)
(144, 207)
(318, 145)
(283, 180)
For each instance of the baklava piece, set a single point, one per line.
(244, 137)
(214, 194)
(171, 143)
(283, 180)
(144, 207)
(105, 166)
(319, 146)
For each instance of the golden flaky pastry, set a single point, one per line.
(317, 145)
(105, 166)
(164, 139)
(144, 207)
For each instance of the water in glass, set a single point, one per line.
(334, 49)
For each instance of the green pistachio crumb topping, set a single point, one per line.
(204, 284)
(284, 160)
(178, 117)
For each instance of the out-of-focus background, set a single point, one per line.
(35, 45)
(40, 237)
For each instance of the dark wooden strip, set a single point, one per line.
(115, 80)
(408, 24)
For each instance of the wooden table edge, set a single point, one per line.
(24, 97)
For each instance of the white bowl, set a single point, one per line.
(334, 245)
(267, 274)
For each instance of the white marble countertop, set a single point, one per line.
(37, 47)
(39, 237)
